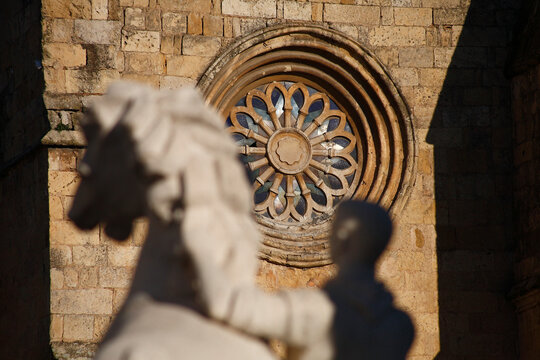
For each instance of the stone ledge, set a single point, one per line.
(64, 138)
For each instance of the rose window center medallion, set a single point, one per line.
(289, 151)
(300, 148)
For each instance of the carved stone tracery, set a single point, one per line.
(300, 148)
(317, 120)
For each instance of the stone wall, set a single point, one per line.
(526, 112)
(447, 64)
(90, 274)
(471, 136)
(524, 69)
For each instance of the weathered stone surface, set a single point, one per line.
(55, 80)
(152, 80)
(56, 210)
(134, 18)
(432, 77)
(200, 6)
(416, 57)
(255, 8)
(78, 327)
(200, 45)
(97, 32)
(61, 102)
(247, 26)
(213, 25)
(347, 29)
(316, 11)
(88, 277)
(57, 30)
(449, 16)
(60, 120)
(60, 255)
(64, 138)
(423, 116)
(413, 16)
(123, 256)
(387, 16)
(405, 76)
(388, 56)
(142, 41)
(297, 10)
(422, 301)
(100, 9)
(358, 15)
(174, 23)
(167, 44)
(403, 3)
(175, 82)
(273, 277)
(397, 36)
(423, 95)
(57, 279)
(101, 324)
(141, 3)
(63, 160)
(73, 350)
(103, 57)
(65, 233)
(87, 301)
(115, 277)
(153, 19)
(68, 9)
(71, 277)
(441, 3)
(119, 298)
(85, 255)
(145, 63)
(63, 182)
(87, 81)
(63, 55)
(194, 23)
(56, 327)
(186, 66)
(442, 57)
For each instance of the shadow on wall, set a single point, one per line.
(471, 134)
(24, 207)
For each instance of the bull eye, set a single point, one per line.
(85, 170)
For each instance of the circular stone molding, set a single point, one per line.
(317, 120)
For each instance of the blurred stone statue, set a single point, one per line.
(165, 154)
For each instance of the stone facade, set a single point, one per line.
(525, 99)
(526, 114)
(450, 262)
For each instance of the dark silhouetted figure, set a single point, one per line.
(366, 323)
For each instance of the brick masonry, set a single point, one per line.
(87, 44)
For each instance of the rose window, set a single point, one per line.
(300, 148)
(317, 120)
